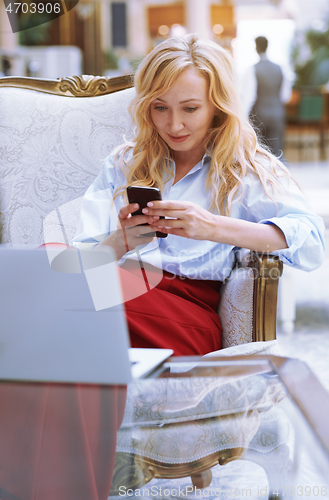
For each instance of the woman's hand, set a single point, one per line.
(185, 219)
(130, 233)
(191, 221)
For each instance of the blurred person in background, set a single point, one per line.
(265, 90)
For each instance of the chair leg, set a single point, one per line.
(202, 479)
(269, 448)
(277, 466)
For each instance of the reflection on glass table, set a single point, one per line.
(251, 427)
(57, 441)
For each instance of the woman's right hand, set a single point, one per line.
(130, 234)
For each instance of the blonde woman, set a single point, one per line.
(221, 191)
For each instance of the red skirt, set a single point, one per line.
(179, 313)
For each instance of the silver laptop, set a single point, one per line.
(50, 329)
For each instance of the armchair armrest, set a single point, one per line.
(249, 300)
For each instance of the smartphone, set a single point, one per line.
(142, 195)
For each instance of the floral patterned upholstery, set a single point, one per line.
(52, 148)
(236, 307)
(222, 413)
(175, 444)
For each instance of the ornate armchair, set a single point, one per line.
(55, 135)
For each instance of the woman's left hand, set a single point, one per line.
(184, 219)
(192, 221)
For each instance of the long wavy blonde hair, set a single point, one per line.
(235, 151)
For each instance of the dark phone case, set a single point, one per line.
(142, 195)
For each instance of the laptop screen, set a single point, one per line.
(50, 330)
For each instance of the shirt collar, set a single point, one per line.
(200, 164)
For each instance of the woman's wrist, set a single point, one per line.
(115, 241)
(245, 234)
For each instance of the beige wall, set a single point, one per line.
(8, 39)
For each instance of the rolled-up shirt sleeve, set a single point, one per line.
(304, 237)
(293, 214)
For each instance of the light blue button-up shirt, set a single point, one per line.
(196, 259)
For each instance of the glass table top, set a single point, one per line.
(239, 427)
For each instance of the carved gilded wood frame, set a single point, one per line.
(72, 86)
